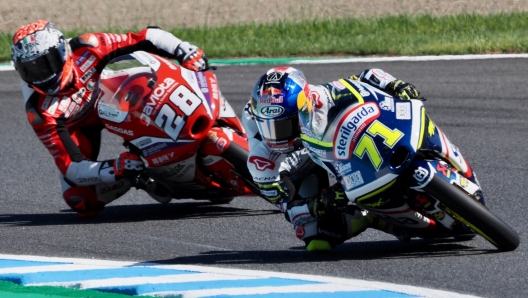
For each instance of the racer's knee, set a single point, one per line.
(88, 201)
(332, 230)
(83, 200)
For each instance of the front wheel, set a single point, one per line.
(470, 212)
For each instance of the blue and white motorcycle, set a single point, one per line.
(394, 162)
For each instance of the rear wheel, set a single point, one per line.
(470, 212)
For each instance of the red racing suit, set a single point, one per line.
(68, 126)
(274, 172)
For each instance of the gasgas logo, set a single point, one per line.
(154, 99)
(351, 126)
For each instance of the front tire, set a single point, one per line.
(470, 212)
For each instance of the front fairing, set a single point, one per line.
(169, 123)
(368, 144)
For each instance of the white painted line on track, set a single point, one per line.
(189, 276)
(9, 67)
(409, 58)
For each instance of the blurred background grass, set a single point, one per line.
(390, 35)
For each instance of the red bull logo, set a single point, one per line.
(271, 95)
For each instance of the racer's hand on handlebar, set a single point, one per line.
(403, 90)
(191, 57)
(331, 201)
(128, 165)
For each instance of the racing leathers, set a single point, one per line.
(275, 173)
(68, 126)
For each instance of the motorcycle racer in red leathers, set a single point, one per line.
(58, 77)
(279, 164)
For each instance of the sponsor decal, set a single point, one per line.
(82, 58)
(78, 96)
(90, 85)
(119, 130)
(387, 104)
(420, 174)
(301, 219)
(264, 179)
(463, 182)
(338, 85)
(108, 113)
(89, 180)
(110, 188)
(154, 100)
(214, 88)
(403, 110)
(271, 95)
(269, 193)
(163, 158)
(53, 106)
(88, 63)
(272, 111)
(343, 168)
(444, 170)
(300, 232)
(202, 82)
(274, 77)
(261, 164)
(88, 75)
(154, 149)
(144, 142)
(70, 110)
(383, 75)
(351, 126)
(46, 102)
(312, 149)
(147, 59)
(353, 180)
(64, 104)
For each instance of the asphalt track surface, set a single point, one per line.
(480, 104)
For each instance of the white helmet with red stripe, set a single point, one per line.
(42, 57)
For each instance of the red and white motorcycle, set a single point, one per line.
(179, 123)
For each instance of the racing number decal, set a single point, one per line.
(169, 120)
(366, 143)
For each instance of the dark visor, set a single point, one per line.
(279, 131)
(41, 69)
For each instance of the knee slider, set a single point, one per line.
(82, 199)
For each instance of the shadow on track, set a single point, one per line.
(134, 213)
(347, 251)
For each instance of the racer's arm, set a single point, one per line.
(55, 136)
(386, 82)
(152, 40)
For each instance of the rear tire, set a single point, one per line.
(475, 215)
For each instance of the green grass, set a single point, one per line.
(391, 35)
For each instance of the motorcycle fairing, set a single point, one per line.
(371, 132)
(435, 140)
(424, 170)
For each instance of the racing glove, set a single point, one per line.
(128, 166)
(331, 201)
(191, 57)
(403, 90)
